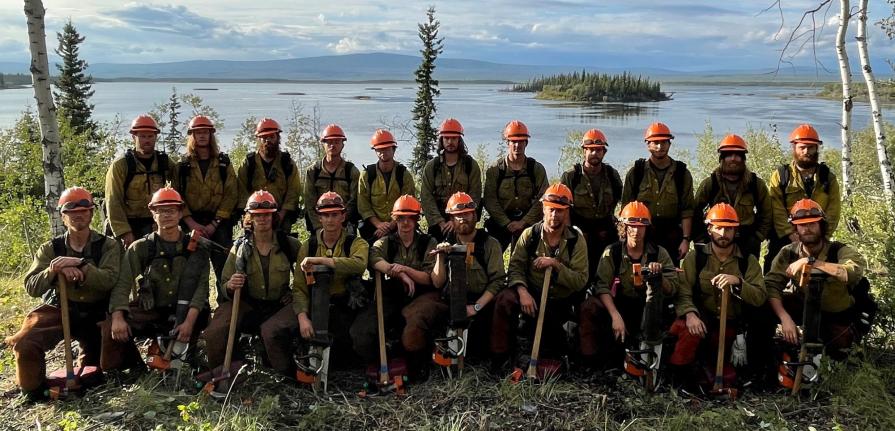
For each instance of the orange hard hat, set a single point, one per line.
(657, 132)
(383, 139)
(557, 196)
(722, 215)
(330, 202)
(406, 205)
(75, 199)
(805, 134)
(267, 126)
(636, 213)
(200, 122)
(144, 123)
(261, 202)
(516, 131)
(806, 211)
(593, 138)
(450, 127)
(733, 142)
(460, 203)
(333, 131)
(165, 196)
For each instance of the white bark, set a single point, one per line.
(884, 165)
(54, 183)
(845, 78)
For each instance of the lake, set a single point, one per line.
(484, 110)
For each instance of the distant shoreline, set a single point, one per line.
(296, 81)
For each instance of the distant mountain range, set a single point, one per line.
(392, 67)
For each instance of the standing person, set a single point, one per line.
(611, 317)
(665, 186)
(512, 188)
(346, 256)
(452, 171)
(132, 179)
(265, 302)
(733, 183)
(173, 295)
(91, 264)
(710, 268)
(405, 257)
(551, 243)
(332, 174)
(597, 188)
(803, 178)
(278, 175)
(207, 182)
(381, 184)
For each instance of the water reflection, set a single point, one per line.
(602, 111)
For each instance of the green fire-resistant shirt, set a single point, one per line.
(571, 278)
(696, 292)
(134, 203)
(276, 286)
(376, 199)
(343, 181)
(593, 201)
(836, 295)
(518, 192)
(440, 182)
(664, 201)
(831, 201)
(207, 193)
(606, 272)
(347, 267)
(287, 191)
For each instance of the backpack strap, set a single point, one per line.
(615, 182)
(576, 176)
(530, 172)
(251, 166)
(703, 258)
(312, 244)
(531, 247)
(285, 245)
(639, 168)
(183, 172)
(422, 240)
(400, 170)
(833, 251)
(615, 253)
(286, 164)
(59, 248)
(162, 160)
(480, 239)
(783, 173)
(130, 161)
(347, 242)
(823, 175)
(96, 250)
(223, 164)
(679, 170)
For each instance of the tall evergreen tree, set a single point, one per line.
(424, 108)
(173, 137)
(74, 85)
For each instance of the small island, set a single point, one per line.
(593, 88)
(885, 89)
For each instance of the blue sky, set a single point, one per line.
(671, 34)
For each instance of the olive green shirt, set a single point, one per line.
(516, 193)
(121, 206)
(836, 295)
(747, 206)
(342, 182)
(830, 202)
(164, 272)
(207, 193)
(99, 277)
(278, 285)
(571, 278)
(347, 267)
(592, 202)
(491, 279)
(606, 272)
(440, 182)
(697, 294)
(376, 199)
(663, 201)
(407, 256)
(286, 191)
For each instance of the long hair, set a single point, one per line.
(623, 233)
(191, 146)
(463, 150)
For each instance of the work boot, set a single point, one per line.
(499, 365)
(418, 366)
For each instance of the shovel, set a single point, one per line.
(718, 389)
(63, 383)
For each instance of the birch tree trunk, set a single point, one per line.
(54, 183)
(845, 78)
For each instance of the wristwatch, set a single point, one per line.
(686, 238)
(477, 307)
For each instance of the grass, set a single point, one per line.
(856, 396)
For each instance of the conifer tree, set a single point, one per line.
(74, 85)
(424, 108)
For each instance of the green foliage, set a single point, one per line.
(73, 83)
(300, 137)
(885, 90)
(594, 87)
(765, 153)
(424, 107)
(569, 154)
(167, 115)
(69, 421)
(243, 142)
(21, 171)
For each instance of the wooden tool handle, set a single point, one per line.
(66, 331)
(722, 332)
(380, 323)
(539, 328)
(231, 336)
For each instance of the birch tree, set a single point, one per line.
(54, 182)
(845, 78)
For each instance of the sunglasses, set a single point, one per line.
(166, 210)
(557, 199)
(71, 205)
(590, 142)
(464, 206)
(631, 220)
(813, 212)
(264, 205)
(405, 219)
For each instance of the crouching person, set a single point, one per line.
(265, 291)
(172, 298)
(708, 271)
(91, 264)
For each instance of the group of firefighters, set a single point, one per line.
(654, 272)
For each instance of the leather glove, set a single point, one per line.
(738, 351)
(357, 295)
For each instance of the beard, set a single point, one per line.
(721, 242)
(808, 161)
(270, 150)
(732, 168)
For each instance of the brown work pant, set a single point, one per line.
(144, 324)
(365, 329)
(506, 321)
(595, 329)
(424, 316)
(42, 331)
(689, 346)
(276, 326)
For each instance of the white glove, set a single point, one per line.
(738, 351)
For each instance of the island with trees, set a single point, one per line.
(594, 88)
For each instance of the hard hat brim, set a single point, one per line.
(262, 211)
(806, 220)
(555, 204)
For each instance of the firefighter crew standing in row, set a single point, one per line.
(665, 186)
(452, 171)
(274, 171)
(132, 179)
(513, 186)
(91, 264)
(332, 173)
(380, 185)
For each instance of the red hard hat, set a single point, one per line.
(333, 131)
(406, 205)
(557, 196)
(261, 202)
(144, 123)
(636, 214)
(657, 132)
(382, 139)
(201, 122)
(267, 126)
(593, 138)
(451, 127)
(75, 199)
(805, 134)
(806, 211)
(460, 203)
(165, 196)
(733, 142)
(723, 215)
(516, 131)
(330, 202)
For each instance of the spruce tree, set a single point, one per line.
(173, 137)
(424, 108)
(74, 85)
